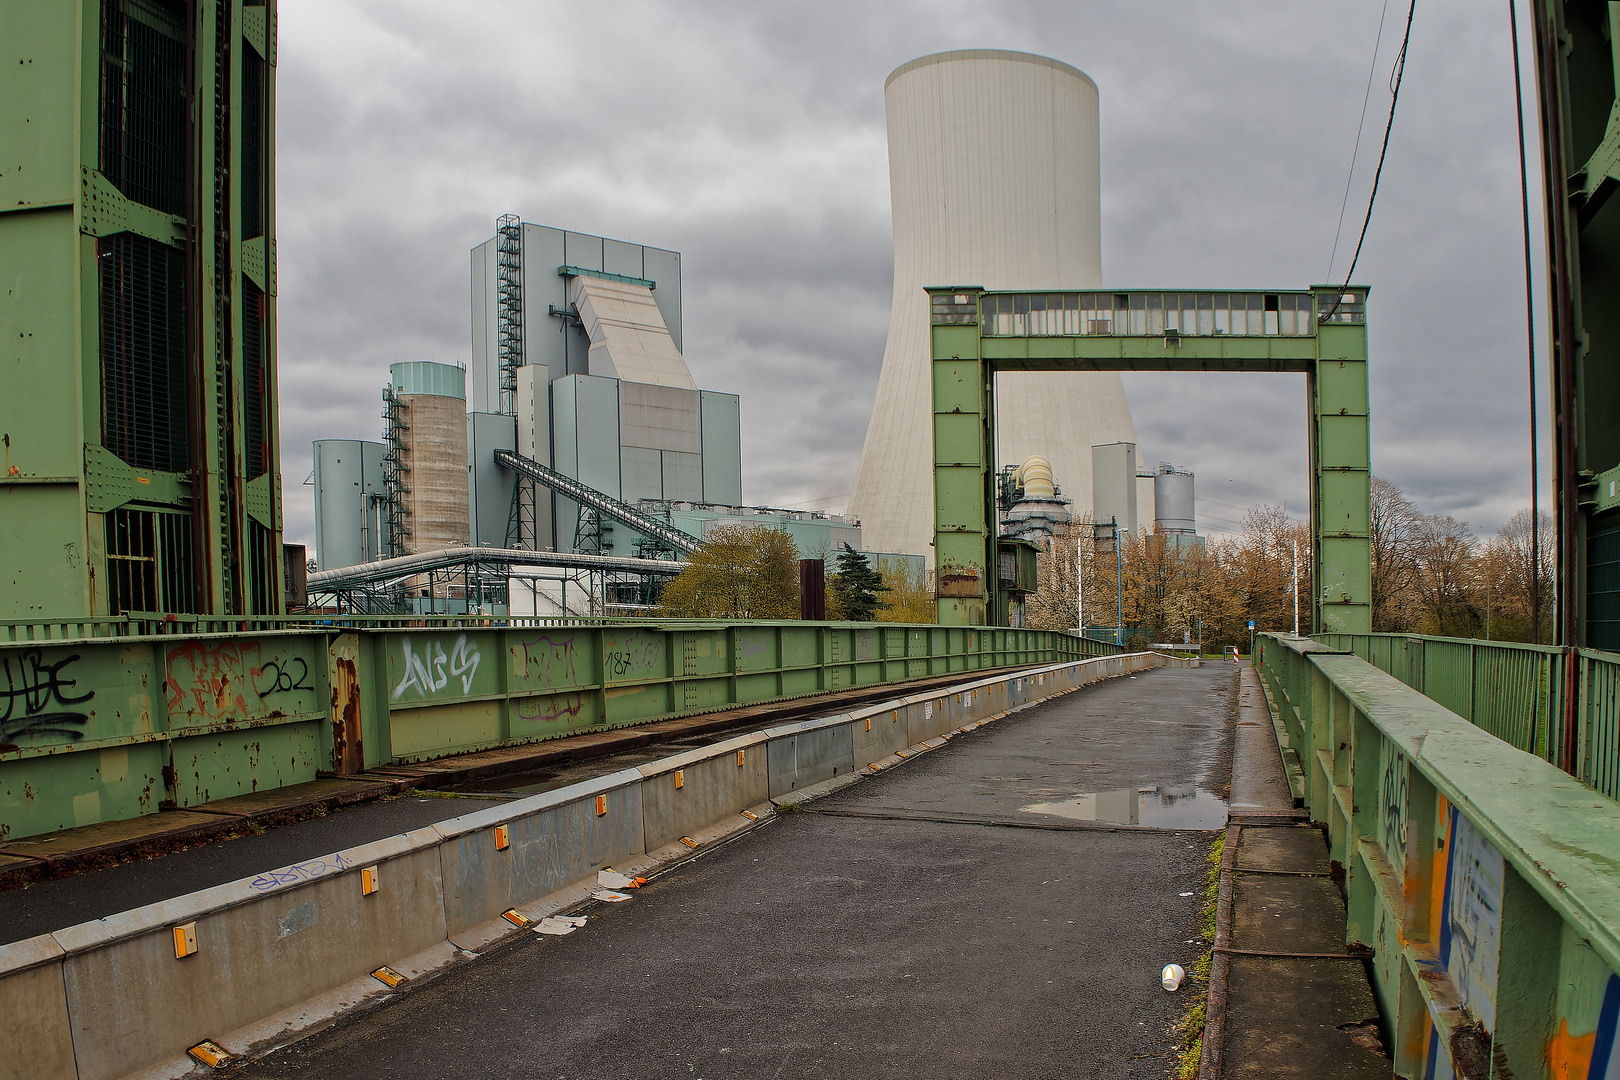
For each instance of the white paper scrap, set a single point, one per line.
(609, 895)
(612, 879)
(553, 925)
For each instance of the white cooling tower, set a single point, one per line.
(993, 177)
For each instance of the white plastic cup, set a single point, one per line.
(1172, 975)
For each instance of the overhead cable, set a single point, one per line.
(1366, 96)
(1394, 97)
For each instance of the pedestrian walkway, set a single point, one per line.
(1000, 906)
(1289, 999)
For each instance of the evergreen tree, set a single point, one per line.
(856, 586)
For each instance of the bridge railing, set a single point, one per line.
(1520, 693)
(1485, 880)
(112, 720)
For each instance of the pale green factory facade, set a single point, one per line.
(137, 309)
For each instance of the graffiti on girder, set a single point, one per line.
(35, 697)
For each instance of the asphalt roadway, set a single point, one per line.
(960, 915)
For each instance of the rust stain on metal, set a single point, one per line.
(956, 579)
(348, 752)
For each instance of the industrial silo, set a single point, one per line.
(430, 432)
(351, 519)
(993, 178)
(1174, 510)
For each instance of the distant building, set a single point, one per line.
(577, 364)
(137, 243)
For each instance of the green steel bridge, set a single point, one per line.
(1470, 790)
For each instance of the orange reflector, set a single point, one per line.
(739, 759)
(368, 881)
(750, 815)
(210, 1054)
(688, 841)
(185, 940)
(503, 839)
(868, 723)
(680, 778)
(388, 977)
(516, 918)
(601, 805)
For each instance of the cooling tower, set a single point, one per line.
(993, 179)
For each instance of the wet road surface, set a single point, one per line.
(908, 941)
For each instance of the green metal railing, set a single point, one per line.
(1563, 705)
(1485, 880)
(110, 720)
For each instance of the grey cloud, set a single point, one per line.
(750, 138)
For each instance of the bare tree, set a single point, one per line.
(1445, 575)
(1394, 535)
(1509, 577)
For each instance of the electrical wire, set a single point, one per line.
(1396, 74)
(1372, 69)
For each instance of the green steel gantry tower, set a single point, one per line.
(137, 309)
(1578, 68)
(1320, 333)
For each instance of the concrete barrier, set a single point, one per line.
(285, 951)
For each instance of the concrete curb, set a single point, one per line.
(284, 953)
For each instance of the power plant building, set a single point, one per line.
(137, 243)
(576, 344)
(994, 181)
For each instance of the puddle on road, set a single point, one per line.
(1161, 807)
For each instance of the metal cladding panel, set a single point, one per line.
(1113, 484)
(628, 338)
(582, 251)
(641, 472)
(41, 415)
(595, 423)
(42, 100)
(547, 338)
(660, 418)
(484, 370)
(664, 267)
(846, 534)
(534, 414)
(564, 420)
(722, 448)
(348, 511)
(489, 486)
(683, 476)
(619, 257)
(427, 377)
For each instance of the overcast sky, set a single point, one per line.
(750, 137)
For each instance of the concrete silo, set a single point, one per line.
(427, 430)
(1174, 505)
(993, 178)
